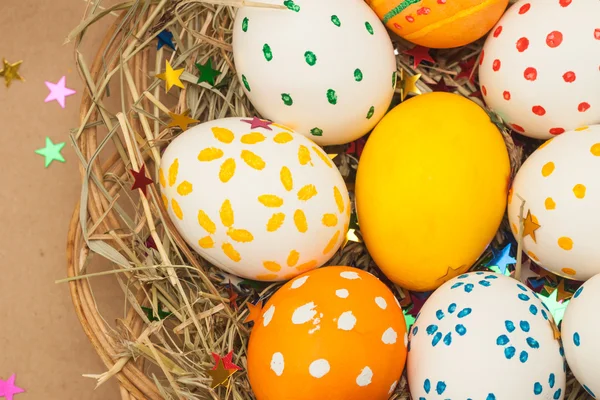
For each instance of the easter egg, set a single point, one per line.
(561, 215)
(439, 23)
(431, 189)
(580, 332)
(335, 333)
(326, 69)
(262, 203)
(485, 336)
(540, 66)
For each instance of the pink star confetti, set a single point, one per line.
(58, 91)
(258, 123)
(8, 388)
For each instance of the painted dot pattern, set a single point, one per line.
(518, 54)
(344, 301)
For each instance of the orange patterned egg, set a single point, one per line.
(439, 23)
(335, 333)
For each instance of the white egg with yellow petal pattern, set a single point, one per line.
(559, 188)
(255, 198)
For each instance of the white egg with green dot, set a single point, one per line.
(323, 68)
(485, 336)
(581, 335)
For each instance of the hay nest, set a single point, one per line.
(179, 309)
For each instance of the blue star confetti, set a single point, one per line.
(501, 260)
(165, 38)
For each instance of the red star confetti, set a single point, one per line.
(8, 388)
(140, 179)
(419, 54)
(356, 148)
(440, 86)
(232, 298)
(467, 69)
(227, 361)
(258, 123)
(255, 311)
(417, 301)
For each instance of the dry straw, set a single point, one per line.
(123, 126)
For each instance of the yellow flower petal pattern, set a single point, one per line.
(330, 220)
(240, 235)
(338, 199)
(303, 155)
(323, 156)
(231, 252)
(227, 170)
(300, 221)
(286, 178)
(253, 138)
(332, 242)
(270, 200)
(165, 201)
(206, 223)
(266, 277)
(184, 188)
(253, 160)
(272, 266)
(283, 137)
(173, 171)
(206, 242)
(293, 258)
(161, 178)
(223, 135)
(210, 154)
(226, 213)
(176, 209)
(307, 192)
(275, 222)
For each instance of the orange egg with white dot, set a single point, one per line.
(335, 333)
(254, 198)
(439, 23)
(559, 189)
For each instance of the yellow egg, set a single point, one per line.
(431, 189)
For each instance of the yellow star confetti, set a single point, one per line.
(171, 76)
(408, 85)
(530, 225)
(181, 120)
(10, 72)
(220, 375)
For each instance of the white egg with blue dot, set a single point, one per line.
(485, 336)
(581, 335)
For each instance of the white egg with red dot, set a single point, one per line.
(540, 66)
(580, 332)
(560, 186)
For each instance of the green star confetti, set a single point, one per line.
(207, 72)
(51, 152)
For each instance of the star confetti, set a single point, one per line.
(51, 152)
(220, 375)
(499, 263)
(409, 319)
(161, 314)
(441, 86)
(227, 361)
(254, 312)
(477, 95)
(181, 120)
(59, 91)
(419, 54)
(418, 299)
(467, 69)
(256, 122)
(232, 296)
(10, 72)
(556, 307)
(207, 72)
(356, 148)
(171, 76)
(408, 85)
(8, 388)
(165, 38)
(451, 273)
(140, 179)
(530, 225)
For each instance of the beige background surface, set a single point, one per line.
(41, 339)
